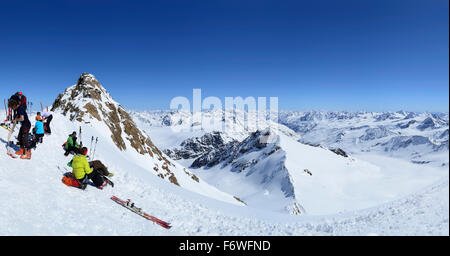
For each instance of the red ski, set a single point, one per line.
(130, 206)
(11, 155)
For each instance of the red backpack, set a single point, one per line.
(70, 180)
(23, 101)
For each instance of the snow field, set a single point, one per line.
(35, 202)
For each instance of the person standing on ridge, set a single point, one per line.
(47, 119)
(21, 117)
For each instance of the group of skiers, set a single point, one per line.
(82, 169)
(18, 115)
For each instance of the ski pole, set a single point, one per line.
(59, 168)
(81, 140)
(92, 140)
(95, 148)
(6, 110)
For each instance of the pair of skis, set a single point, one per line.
(130, 206)
(9, 150)
(5, 126)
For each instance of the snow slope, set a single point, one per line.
(35, 202)
(35, 185)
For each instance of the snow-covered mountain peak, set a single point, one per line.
(88, 101)
(87, 79)
(88, 104)
(85, 100)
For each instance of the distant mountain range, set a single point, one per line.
(413, 136)
(307, 151)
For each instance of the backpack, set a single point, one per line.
(70, 181)
(23, 101)
(15, 98)
(99, 167)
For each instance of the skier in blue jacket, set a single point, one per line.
(39, 129)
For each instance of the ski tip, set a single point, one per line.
(12, 156)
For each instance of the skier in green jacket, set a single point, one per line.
(72, 145)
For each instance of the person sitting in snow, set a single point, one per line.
(71, 145)
(83, 172)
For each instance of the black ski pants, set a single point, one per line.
(47, 124)
(23, 136)
(96, 178)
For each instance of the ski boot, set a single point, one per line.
(20, 152)
(27, 155)
(103, 185)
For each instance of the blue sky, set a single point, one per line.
(325, 55)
